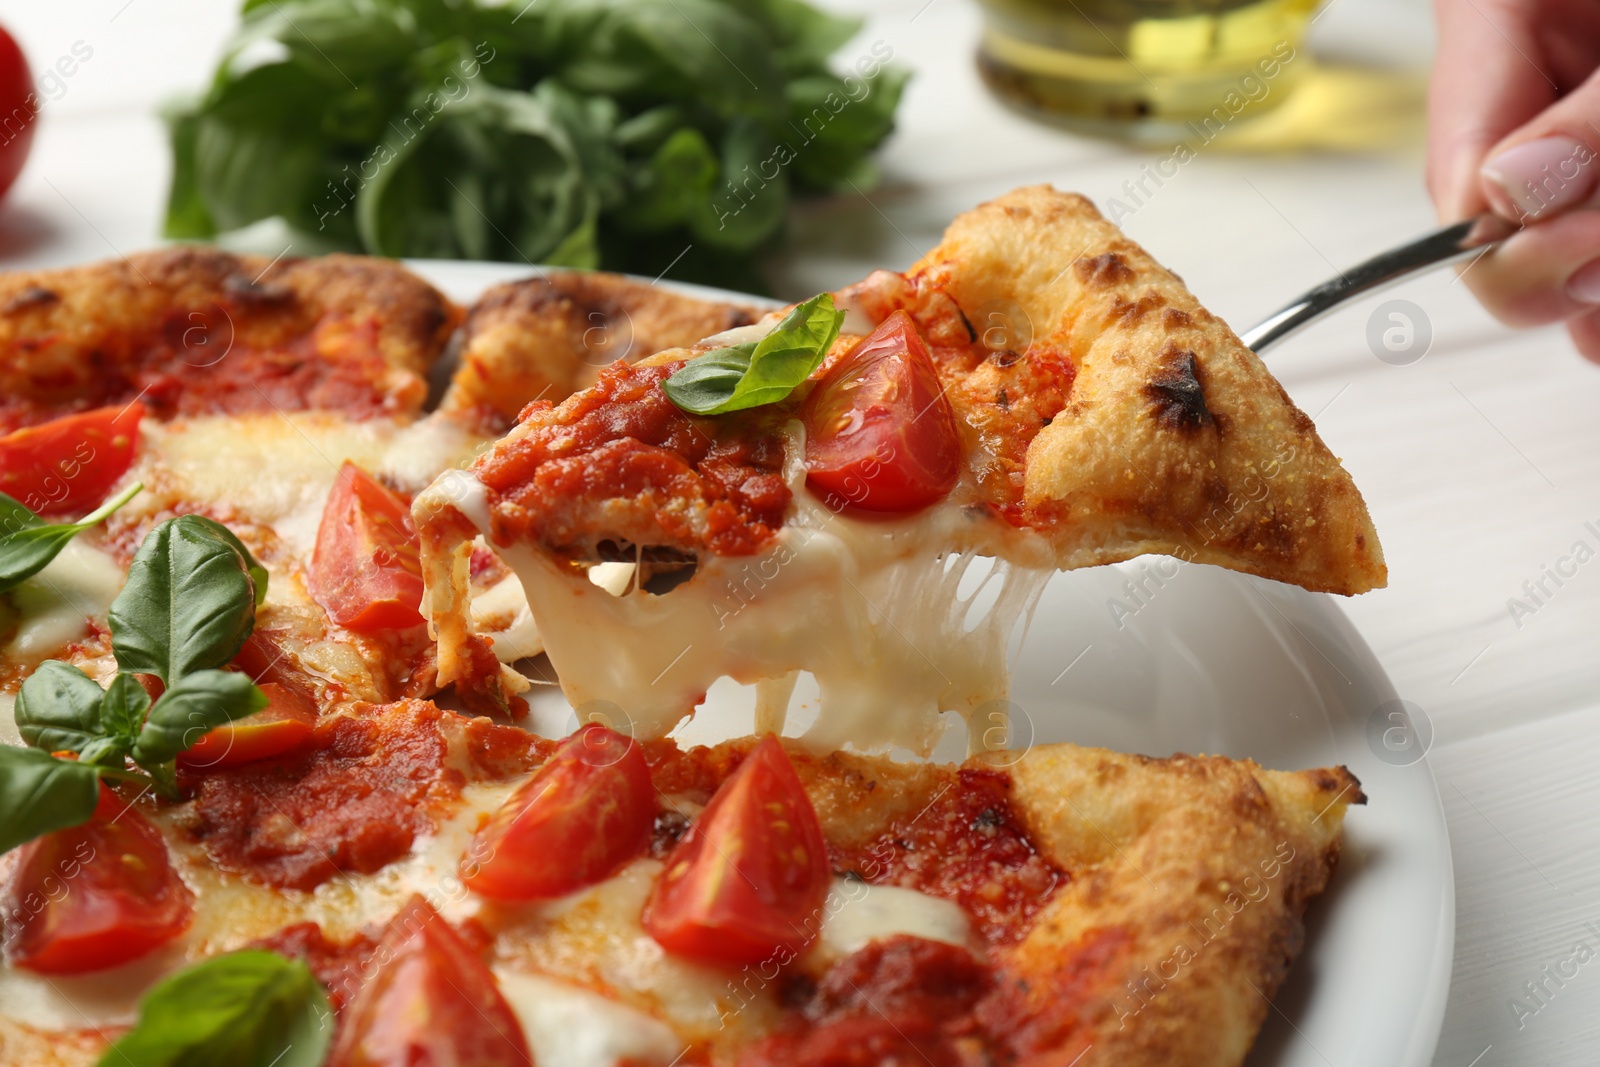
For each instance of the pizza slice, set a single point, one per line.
(602, 902)
(1037, 390)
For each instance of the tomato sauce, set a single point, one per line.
(353, 801)
(713, 484)
(907, 1000)
(964, 845)
(195, 365)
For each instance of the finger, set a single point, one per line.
(1486, 83)
(1546, 166)
(1544, 273)
(1585, 331)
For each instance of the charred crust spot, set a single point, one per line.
(1178, 399)
(1176, 319)
(34, 296)
(972, 333)
(669, 827)
(1004, 357)
(1106, 269)
(251, 293)
(1004, 401)
(1130, 313)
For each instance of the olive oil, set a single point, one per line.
(1122, 66)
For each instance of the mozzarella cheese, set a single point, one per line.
(877, 609)
(569, 1026)
(858, 914)
(54, 606)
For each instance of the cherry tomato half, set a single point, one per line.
(94, 896)
(430, 1001)
(366, 569)
(70, 463)
(585, 813)
(749, 879)
(282, 726)
(880, 434)
(19, 105)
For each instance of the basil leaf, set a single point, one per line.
(26, 549)
(121, 718)
(39, 793)
(249, 1008)
(191, 707)
(258, 573)
(749, 375)
(189, 603)
(15, 516)
(59, 708)
(491, 130)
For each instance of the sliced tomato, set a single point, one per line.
(70, 464)
(94, 896)
(366, 569)
(585, 813)
(20, 104)
(880, 434)
(430, 1002)
(748, 881)
(282, 726)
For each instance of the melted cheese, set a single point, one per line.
(568, 1026)
(594, 937)
(502, 612)
(55, 605)
(876, 609)
(276, 469)
(858, 914)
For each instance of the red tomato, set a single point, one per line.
(282, 726)
(585, 813)
(70, 463)
(18, 107)
(94, 896)
(430, 1002)
(748, 881)
(879, 432)
(367, 569)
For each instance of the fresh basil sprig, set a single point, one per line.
(28, 544)
(189, 603)
(188, 606)
(250, 1008)
(759, 372)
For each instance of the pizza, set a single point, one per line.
(1108, 415)
(269, 615)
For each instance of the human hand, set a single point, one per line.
(1514, 126)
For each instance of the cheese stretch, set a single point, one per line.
(875, 608)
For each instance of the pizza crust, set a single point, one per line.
(545, 337)
(1175, 439)
(1193, 876)
(69, 334)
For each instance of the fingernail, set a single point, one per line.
(1584, 285)
(1540, 178)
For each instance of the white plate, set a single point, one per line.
(1157, 657)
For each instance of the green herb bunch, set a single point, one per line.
(187, 608)
(586, 133)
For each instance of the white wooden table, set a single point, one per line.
(1481, 462)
